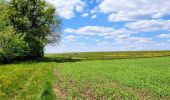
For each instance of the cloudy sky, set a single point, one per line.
(113, 25)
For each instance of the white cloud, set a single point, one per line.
(133, 40)
(69, 30)
(149, 25)
(163, 36)
(130, 16)
(67, 8)
(107, 46)
(132, 10)
(91, 30)
(139, 15)
(94, 10)
(102, 43)
(93, 17)
(70, 38)
(98, 30)
(85, 14)
(122, 36)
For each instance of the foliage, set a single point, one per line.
(13, 45)
(26, 26)
(36, 19)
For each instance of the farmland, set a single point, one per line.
(146, 78)
(111, 55)
(55, 77)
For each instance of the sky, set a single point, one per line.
(112, 25)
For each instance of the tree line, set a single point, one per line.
(26, 26)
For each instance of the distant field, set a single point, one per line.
(55, 77)
(129, 79)
(111, 55)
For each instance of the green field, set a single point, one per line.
(145, 78)
(111, 55)
(64, 78)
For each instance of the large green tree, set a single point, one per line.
(37, 21)
(12, 45)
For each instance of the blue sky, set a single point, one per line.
(112, 25)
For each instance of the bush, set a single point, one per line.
(14, 49)
(1, 56)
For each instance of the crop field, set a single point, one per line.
(111, 55)
(129, 79)
(60, 78)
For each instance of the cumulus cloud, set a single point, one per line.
(93, 17)
(102, 43)
(90, 30)
(130, 16)
(163, 36)
(118, 35)
(67, 9)
(138, 16)
(71, 38)
(133, 40)
(94, 10)
(85, 14)
(98, 30)
(133, 10)
(149, 25)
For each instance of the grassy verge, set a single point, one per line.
(27, 81)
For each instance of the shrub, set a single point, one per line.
(12, 45)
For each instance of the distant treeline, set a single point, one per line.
(26, 26)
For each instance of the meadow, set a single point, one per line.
(27, 81)
(55, 77)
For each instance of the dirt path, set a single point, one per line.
(61, 94)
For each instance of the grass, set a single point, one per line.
(60, 78)
(146, 78)
(27, 81)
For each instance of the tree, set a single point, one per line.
(26, 26)
(12, 45)
(37, 20)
